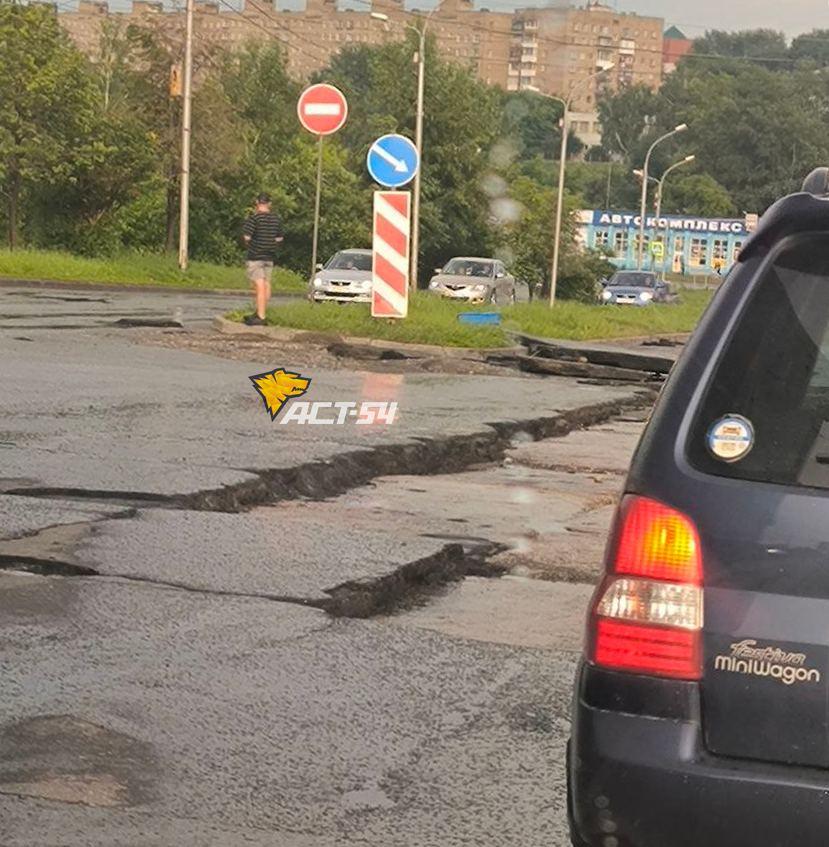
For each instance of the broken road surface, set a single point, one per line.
(217, 630)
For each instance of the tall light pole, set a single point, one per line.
(661, 184)
(565, 129)
(186, 112)
(421, 88)
(660, 188)
(640, 247)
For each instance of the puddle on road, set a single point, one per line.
(29, 597)
(70, 760)
(369, 797)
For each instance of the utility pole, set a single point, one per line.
(562, 160)
(659, 193)
(421, 84)
(562, 164)
(186, 120)
(643, 211)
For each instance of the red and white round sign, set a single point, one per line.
(322, 109)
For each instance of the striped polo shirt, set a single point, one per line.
(263, 228)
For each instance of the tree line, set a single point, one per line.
(89, 151)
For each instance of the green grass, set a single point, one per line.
(133, 269)
(434, 321)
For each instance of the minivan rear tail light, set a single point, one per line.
(657, 542)
(647, 613)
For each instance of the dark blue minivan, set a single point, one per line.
(701, 712)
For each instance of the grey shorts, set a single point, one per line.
(259, 270)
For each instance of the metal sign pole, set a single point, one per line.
(317, 207)
(186, 118)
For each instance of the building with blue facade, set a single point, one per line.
(687, 245)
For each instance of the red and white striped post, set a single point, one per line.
(392, 228)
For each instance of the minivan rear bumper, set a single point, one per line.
(636, 780)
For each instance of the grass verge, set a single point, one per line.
(434, 321)
(134, 269)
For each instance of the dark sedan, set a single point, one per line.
(635, 288)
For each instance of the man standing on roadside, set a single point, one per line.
(262, 233)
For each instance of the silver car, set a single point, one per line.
(346, 278)
(475, 281)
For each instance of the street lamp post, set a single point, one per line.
(644, 203)
(565, 128)
(421, 88)
(640, 174)
(660, 188)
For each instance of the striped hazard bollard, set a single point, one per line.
(392, 224)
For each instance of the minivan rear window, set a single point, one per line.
(775, 374)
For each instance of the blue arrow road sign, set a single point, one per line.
(392, 161)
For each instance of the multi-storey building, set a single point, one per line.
(676, 46)
(552, 49)
(558, 50)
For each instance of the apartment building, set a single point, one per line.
(559, 49)
(554, 49)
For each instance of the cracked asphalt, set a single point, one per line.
(170, 674)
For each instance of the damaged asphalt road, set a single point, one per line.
(217, 630)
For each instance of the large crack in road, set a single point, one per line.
(351, 469)
(292, 623)
(409, 584)
(52, 551)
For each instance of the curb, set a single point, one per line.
(81, 285)
(324, 339)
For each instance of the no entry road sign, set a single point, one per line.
(392, 160)
(392, 223)
(322, 109)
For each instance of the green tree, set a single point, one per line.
(267, 150)
(462, 123)
(143, 79)
(757, 132)
(533, 122)
(626, 119)
(527, 242)
(811, 47)
(698, 194)
(47, 113)
(758, 44)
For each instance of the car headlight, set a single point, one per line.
(318, 283)
(606, 295)
(434, 284)
(645, 296)
(479, 289)
(367, 283)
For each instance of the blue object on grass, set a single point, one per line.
(480, 317)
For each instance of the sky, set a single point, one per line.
(693, 18)
(791, 16)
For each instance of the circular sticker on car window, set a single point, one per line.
(731, 438)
